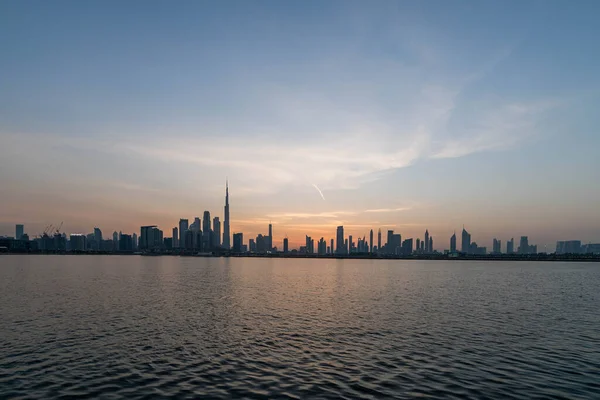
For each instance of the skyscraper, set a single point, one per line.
(322, 247)
(134, 239)
(97, 239)
(524, 245)
(331, 248)
(175, 238)
(466, 241)
(206, 232)
(216, 232)
(497, 246)
(427, 249)
(350, 244)
(285, 245)
(150, 237)
(371, 241)
(510, 246)
(18, 231)
(379, 240)
(115, 241)
(339, 249)
(270, 238)
(183, 228)
(238, 242)
(431, 244)
(453, 243)
(226, 243)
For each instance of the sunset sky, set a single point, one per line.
(368, 114)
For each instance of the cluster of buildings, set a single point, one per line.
(206, 235)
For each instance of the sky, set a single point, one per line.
(403, 115)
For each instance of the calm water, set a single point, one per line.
(134, 327)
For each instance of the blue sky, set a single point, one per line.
(406, 115)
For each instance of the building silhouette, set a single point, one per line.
(270, 238)
(238, 242)
(207, 237)
(285, 245)
(453, 243)
(427, 249)
(226, 237)
(466, 241)
(183, 227)
(510, 246)
(19, 230)
(175, 238)
(340, 246)
(216, 239)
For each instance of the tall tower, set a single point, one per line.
(183, 228)
(270, 239)
(466, 241)
(339, 249)
(207, 232)
(453, 243)
(226, 222)
(371, 241)
(427, 249)
(379, 241)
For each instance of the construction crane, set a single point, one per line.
(60, 226)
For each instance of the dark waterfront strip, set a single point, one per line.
(359, 256)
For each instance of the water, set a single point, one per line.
(147, 327)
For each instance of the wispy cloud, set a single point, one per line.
(387, 210)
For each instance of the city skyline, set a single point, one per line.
(403, 116)
(194, 237)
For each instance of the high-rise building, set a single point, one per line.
(115, 241)
(340, 240)
(427, 249)
(19, 231)
(125, 243)
(206, 232)
(331, 248)
(252, 245)
(394, 243)
(452, 243)
(350, 244)
(510, 246)
(269, 240)
(322, 247)
(150, 237)
(418, 244)
(497, 246)
(134, 238)
(97, 239)
(407, 247)
(226, 238)
(285, 245)
(175, 238)
(307, 244)
(261, 243)
(466, 241)
(196, 225)
(216, 232)
(238, 242)
(379, 240)
(183, 228)
(569, 247)
(524, 245)
(371, 241)
(431, 244)
(77, 242)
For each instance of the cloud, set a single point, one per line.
(387, 210)
(497, 128)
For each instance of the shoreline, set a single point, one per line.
(419, 257)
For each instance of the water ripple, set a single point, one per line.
(135, 328)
